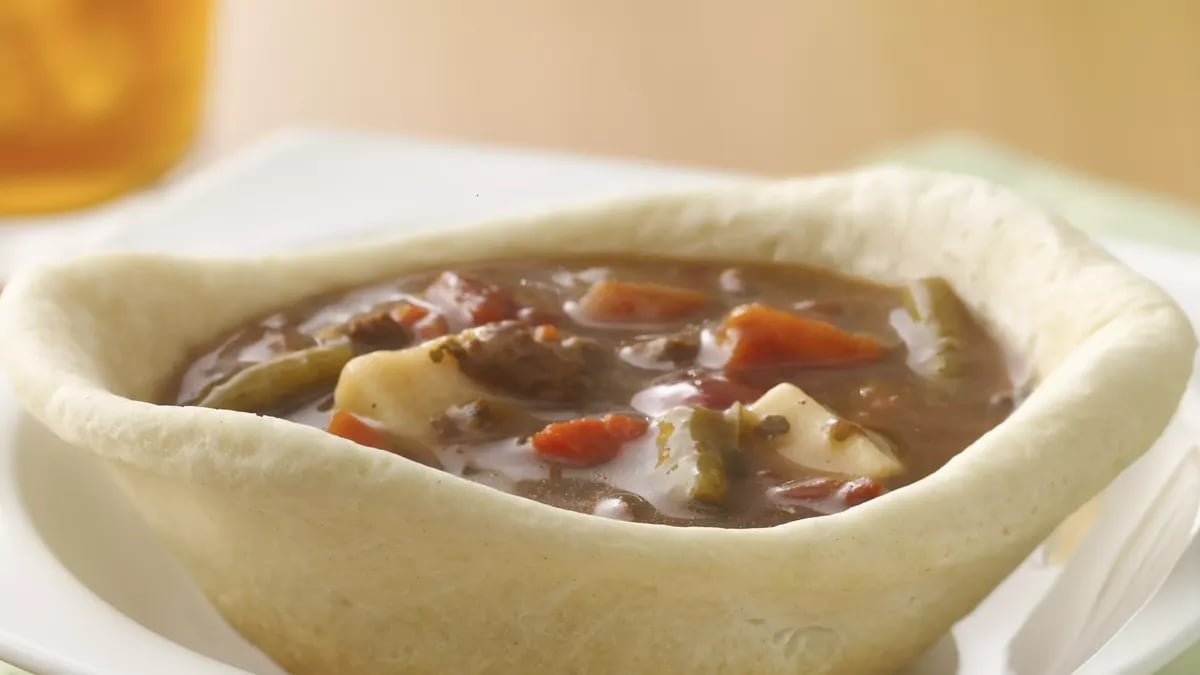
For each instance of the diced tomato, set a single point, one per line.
(762, 336)
(809, 489)
(349, 426)
(546, 333)
(827, 494)
(619, 301)
(860, 490)
(587, 441)
(472, 300)
(408, 314)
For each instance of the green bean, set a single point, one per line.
(692, 443)
(268, 384)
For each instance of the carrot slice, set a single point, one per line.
(349, 426)
(762, 336)
(587, 441)
(620, 301)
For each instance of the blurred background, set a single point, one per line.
(97, 96)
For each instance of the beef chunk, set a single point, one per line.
(507, 357)
(377, 330)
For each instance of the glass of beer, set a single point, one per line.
(96, 96)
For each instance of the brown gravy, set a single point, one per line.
(641, 367)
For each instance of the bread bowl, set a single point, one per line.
(334, 557)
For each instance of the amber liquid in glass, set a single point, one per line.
(96, 96)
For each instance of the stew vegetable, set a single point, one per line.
(682, 393)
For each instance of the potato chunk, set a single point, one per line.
(404, 390)
(818, 439)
